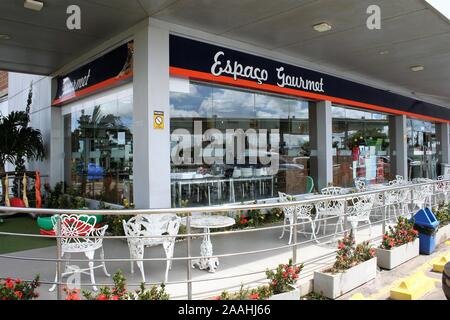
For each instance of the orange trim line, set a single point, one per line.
(101, 85)
(293, 92)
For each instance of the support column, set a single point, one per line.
(398, 146)
(320, 134)
(443, 148)
(151, 147)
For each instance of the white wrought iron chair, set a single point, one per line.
(329, 209)
(79, 235)
(360, 211)
(422, 195)
(146, 231)
(360, 185)
(443, 187)
(303, 213)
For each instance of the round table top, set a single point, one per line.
(210, 221)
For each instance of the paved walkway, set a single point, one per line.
(379, 288)
(226, 277)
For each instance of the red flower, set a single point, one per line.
(9, 284)
(18, 294)
(216, 298)
(341, 245)
(102, 297)
(254, 296)
(18, 281)
(115, 298)
(284, 275)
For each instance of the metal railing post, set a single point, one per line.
(188, 255)
(58, 263)
(383, 213)
(294, 247)
(344, 224)
(412, 200)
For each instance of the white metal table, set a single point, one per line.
(207, 222)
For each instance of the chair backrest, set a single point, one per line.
(360, 185)
(74, 225)
(363, 204)
(309, 184)
(152, 225)
(331, 190)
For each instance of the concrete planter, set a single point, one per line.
(389, 259)
(335, 285)
(291, 295)
(443, 234)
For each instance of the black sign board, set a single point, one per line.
(110, 69)
(209, 62)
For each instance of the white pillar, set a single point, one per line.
(321, 143)
(443, 135)
(398, 137)
(151, 147)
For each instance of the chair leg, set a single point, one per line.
(284, 227)
(169, 254)
(102, 256)
(90, 256)
(140, 265)
(291, 231)
(53, 287)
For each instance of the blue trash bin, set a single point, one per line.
(426, 223)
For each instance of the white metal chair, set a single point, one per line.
(443, 187)
(360, 185)
(422, 195)
(329, 209)
(303, 213)
(360, 211)
(79, 235)
(146, 231)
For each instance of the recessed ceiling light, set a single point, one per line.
(417, 68)
(384, 52)
(33, 5)
(4, 37)
(322, 27)
(442, 6)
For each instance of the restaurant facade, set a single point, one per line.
(168, 117)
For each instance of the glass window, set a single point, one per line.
(274, 127)
(360, 147)
(99, 148)
(422, 141)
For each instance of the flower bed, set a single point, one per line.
(399, 245)
(354, 266)
(16, 289)
(281, 286)
(119, 292)
(443, 216)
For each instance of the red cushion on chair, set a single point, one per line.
(17, 202)
(81, 227)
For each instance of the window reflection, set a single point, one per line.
(99, 149)
(422, 141)
(360, 146)
(225, 108)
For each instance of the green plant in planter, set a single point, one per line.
(284, 277)
(443, 215)
(349, 254)
(403, 232)
(119, 292)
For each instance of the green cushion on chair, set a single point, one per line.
(45, 223)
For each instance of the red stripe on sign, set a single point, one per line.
(198, 75)
(96, 87)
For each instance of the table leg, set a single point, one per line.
(206, 251)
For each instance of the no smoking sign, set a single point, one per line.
(158, 119)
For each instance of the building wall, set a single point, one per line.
(3, 83)
(40, 111)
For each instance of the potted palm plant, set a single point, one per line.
(399, 245)
(354, 266)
